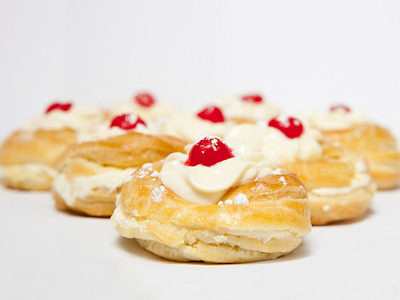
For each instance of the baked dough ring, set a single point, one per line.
(378, 146)
(338, 184)
(273, 224)
(91, 173)
(28, 159)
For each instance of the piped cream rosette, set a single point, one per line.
(338, 180)
(91, 173)
(215, 205)
(144, 105)
(248, 108)
(28, 157)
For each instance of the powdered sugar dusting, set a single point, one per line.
(241, 199)
(157, 193)
(283, 180)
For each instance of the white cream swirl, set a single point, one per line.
(335, 120)
(77, 118)
(234, 106)
(103, 131)
(206, 185)
(189, 127)
(273, 144)
(153, 113)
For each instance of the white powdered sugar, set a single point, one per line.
(157, 193)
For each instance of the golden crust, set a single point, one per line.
(273, 224)
(378, 146)
(331, 208)
(336, 169)
(23, 153)
(86, 160)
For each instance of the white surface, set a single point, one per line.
(299, 53)
(48, 254)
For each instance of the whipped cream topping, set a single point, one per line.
(77, 118)
(207, 185)
(189, 127)
(71, 189)
(103, 131)
(152, 113)
(234, 106)
(333, 120)
(273, 144)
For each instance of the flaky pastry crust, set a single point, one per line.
(28, 158)
(272, 224)
(86, 160)
(336, 169)
(378, 146)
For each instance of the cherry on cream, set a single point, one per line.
(253, 98)
(289, 126)
(144, 99)
(59, 106)
(339, 107)
(208, 152)
(212, 113)
(127, 121)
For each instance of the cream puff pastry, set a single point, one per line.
(350, 129)
(145, 105)
(189, 126)
(29, 155)
(213, 205)
(337, 180)
(91, 173)
(248, 108)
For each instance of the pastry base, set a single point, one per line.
(97, 204)
(24, 178)
(332, 208)
(207, 252)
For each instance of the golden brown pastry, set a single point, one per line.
(92, 173)
(214, 206)
(337, 180)
(28, 156)
(350, 129)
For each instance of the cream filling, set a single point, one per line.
(207, 185)
(336, 120)
(80, 187)
(273, 144)
(152, 113)
(76, 118)
(189, 127)
(31, 168)
(360, 180)
(236, 107)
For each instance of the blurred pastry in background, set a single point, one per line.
(214, 205)
(190, 126)
(91, 173)
(352, 130)
(248, 108)
(338, 183)
(28, 156)
(145, 105)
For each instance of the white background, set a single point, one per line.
(299, 53)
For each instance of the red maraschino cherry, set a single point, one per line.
(127, 121)
(208, 152)
(212, 113)
(291, 127)
(144, 99)
(254, 98)
(59, 106)
(340, 107)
